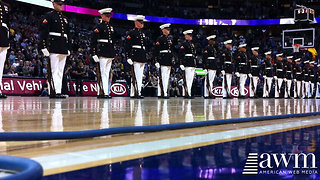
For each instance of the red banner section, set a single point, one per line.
(33, 87)
(91, 88)
(21, 86)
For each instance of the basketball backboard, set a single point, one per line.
(305, 37)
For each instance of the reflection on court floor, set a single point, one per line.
(42, 114)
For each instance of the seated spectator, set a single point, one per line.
(16, 62)
(37, 69)
(151, 86)
(27, 71)
(44, 90)
(174, 90)
(19, 68)
(79, 73)
(45, 70)
(180, 85)
(73, 68)
(6, 69)
(92, 73)
(218, 80)
(12, 57)
(12, 71)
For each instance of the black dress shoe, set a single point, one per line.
(206, 97)
(57, 96)
(160, 97)
(2, 96)
(166, 97)
(140, 97)
(241, 97)
(104, 97)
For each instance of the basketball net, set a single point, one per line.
(296, 47)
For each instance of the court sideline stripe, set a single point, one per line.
(34, 136)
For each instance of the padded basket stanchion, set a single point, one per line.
(25, 169)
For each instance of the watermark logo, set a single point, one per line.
(251, 166)
(280, 163)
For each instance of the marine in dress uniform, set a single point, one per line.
(55, 44)
(135, 47)
(313, 79)
(288, 68)
(242, 67)
(163, 58)
(267, 74)
(4, 38)
(187, 54)
(227, 69)
(279, 74)
(103, 50)
(254, 72)
(210, 65)
(306, 79)
(298, 77)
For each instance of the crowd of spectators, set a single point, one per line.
(24, 58)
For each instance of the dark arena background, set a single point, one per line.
(159, 90)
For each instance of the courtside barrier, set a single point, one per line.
(23, 168)
(33, 136)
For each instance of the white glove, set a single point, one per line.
(205, 71)
(129, 61)
(95, 58)
(275, 77)
(45, 52)
(250, 75)
(157, 65)
(237, 74)
(285, 79)
(264, 77)
(69, 53)
(223, 72)
(295, 80)
(182, 67)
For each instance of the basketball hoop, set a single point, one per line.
(296, 47)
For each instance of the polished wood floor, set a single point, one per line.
(43, 114)
(30, 114)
